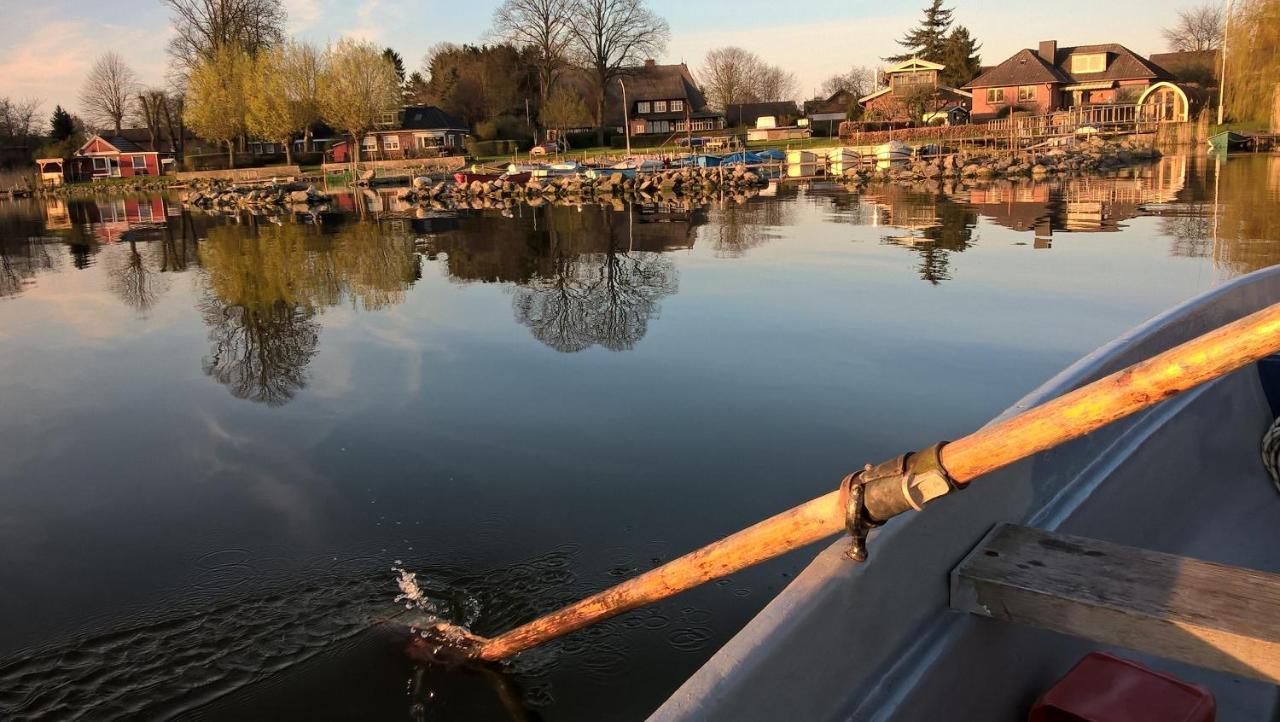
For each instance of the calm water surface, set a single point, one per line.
(221, 433)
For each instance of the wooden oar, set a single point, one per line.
(1067, 417)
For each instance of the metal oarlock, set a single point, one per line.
(878, 493)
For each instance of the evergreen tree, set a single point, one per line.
(396, 61)
(928, 39)
(960, 55)
(61, 126)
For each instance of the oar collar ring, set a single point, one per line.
(878, 493)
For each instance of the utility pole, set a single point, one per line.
(626, 120)
(1222, 48)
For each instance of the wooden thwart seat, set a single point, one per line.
(1211, 615)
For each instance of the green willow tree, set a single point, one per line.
(1253, 59)
(215, 105)
(357, 86)
(282, 93)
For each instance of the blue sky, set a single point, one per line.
(46, 47)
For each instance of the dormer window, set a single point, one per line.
(642, 107)
(1091, 63)
(388, 120)
(659, 106)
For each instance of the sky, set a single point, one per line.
(47, 46)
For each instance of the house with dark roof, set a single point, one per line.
(747, 115)
(118, 156)
(660, 100)
(913, 91)
(414, 131)
(1052, 78)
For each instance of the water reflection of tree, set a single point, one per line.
(138, 285)
(260, 353)
(1245, 235)
(265, 286)
(603, 299)
(739, 227)
(21, 259)
(942, 226)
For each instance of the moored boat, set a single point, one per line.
(1229, 141)
(843, 160)
(802, 163)
(895, 151)
(880, 640)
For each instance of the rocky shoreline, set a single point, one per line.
(697, 185)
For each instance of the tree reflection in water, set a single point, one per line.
(266, 286)
(603, 299)
(939, 227)
(133, 281)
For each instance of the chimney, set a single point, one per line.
(1048, 50)
(650, 63)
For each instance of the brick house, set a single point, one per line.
(912, 92)
(1052, 78)
(414, 131)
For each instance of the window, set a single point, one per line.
(995, 95)
(139, 162)
(677, 106)
(1094, 63)
(642, 107)
(101, 166)
(659, 106)
(425, 141)
(1026, 93)
(391, 142)
(387, 120)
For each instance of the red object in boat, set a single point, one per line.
(1106, 688)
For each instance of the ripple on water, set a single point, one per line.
(690, 639)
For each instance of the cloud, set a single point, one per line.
(370, 24)
(303, 14)
(51, 61)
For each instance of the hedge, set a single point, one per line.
(482, 148)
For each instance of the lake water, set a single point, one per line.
(221, 434)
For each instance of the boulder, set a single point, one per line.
(421, 183)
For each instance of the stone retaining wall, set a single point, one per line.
(240, 175)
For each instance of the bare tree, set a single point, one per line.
(541, 26)
(18, 120)
(610, 35)
(151, 109)
(1198, 28)
(173, 122)
(732, 75)
(774, 83)
(202, 26)
(108, 91)
(860, 80)
(726, 74)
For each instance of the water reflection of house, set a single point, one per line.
(1080, 204)
(111, 218)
